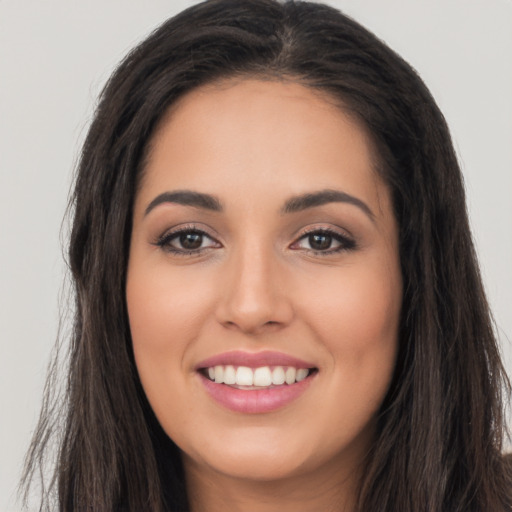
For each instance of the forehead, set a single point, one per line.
(260, 137)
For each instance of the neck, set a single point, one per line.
(327, 489)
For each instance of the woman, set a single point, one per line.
(278, 302)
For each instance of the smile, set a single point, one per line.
(244, 377)
(253, 383)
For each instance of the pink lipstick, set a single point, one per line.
(255, 382)
(254, 360)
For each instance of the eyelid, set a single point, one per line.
(346, 241)
(163, 241)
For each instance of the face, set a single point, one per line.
(264, 285)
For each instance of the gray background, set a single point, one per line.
(55, 55)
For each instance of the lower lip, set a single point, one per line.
(254, 401)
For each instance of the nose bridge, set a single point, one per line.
(253, 296)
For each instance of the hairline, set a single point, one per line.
(232, 79)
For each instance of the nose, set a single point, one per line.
(254, 297)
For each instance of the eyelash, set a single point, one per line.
(346, 243)
(164, 242)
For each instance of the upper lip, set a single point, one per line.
(253, 360)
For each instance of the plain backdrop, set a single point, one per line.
(55, 55)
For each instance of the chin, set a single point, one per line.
(247, 456)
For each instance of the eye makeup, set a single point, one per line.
(324, 241)
(190, 240)
(187, 240)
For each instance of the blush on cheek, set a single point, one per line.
(357, 325)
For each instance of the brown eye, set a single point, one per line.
(187, 242)
(320, 241)
(324, 242)
(191, 240)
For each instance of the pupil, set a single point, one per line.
(319, 242)
(191, 240)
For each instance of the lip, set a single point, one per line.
(255, 401)
(254, 360)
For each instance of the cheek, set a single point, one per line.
(163, 314)
(166, 316)
(164, 309)
(356, 314)
(356, 319)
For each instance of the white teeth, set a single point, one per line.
(302, 373)
(244, 376)
(219, 374)
(290, 375)
(229, 375)
(278, 376)
(263, 376)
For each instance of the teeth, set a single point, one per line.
(278, 376)
(290, 375)
(263, 376)
(219, 374)
(302, 373)
(244, 376)
(229, 375)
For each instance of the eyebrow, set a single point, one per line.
(311, 200)
(186, 198)
(292, 205)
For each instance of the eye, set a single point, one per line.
(324, 241)
(186, 241)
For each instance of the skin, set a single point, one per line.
(256, 284)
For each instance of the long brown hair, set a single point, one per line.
(441, 427)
